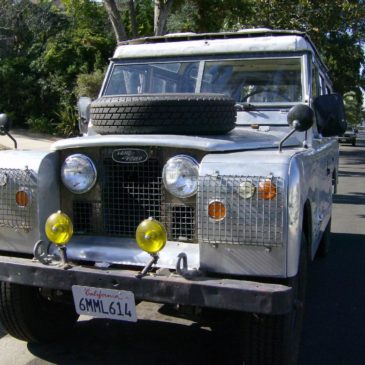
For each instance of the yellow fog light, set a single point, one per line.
(59, 228)
(151, 236)
(22, 198)
(267, 189)
(217, 210)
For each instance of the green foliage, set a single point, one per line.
(51, 55)
(185, 19)
(49, 48)
(41, 125)
(353, 109)
(89, 84)
(144, 16)
(68, 120)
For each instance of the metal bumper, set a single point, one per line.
(202, 291)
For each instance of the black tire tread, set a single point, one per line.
(27, 316)
(164, 114)
(273, 339)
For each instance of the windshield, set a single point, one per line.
(258, 81)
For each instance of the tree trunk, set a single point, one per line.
(162, 9)
(114, 16)
(132, 12)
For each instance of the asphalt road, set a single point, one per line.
(335, 314)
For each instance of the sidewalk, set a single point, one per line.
(28, 140)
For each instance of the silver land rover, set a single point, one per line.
(203, 179)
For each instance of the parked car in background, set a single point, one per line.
(349, 136)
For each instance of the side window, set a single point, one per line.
(322, 85)
(315, 81)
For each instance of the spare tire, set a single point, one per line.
(163, 114)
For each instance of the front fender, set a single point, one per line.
(36, 173)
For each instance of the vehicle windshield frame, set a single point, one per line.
(199, 74)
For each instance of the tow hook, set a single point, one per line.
(182, 267)
(41, 253)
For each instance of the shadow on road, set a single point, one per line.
(350, 198)
(96, 342)
(335, 316)
(333, 331)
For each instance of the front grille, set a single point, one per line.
(253, 221)
(12, 181)
(180, 220)
(130, 193)
(87, 216)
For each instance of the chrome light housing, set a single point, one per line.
(180, 176)
(78, 173)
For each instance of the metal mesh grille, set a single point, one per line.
(87, 216)
(130, 193)
(180, 222)
(11, 214)
(254, 221)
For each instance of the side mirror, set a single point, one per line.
(330, 115)
(83, 107)
(4, 124)
(300, 117)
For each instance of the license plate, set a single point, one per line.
(105, 303)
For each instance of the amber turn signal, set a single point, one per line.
(217, 210)
(22, 198)
(267, 189)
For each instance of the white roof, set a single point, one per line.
(250, 41)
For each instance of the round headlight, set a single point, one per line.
(78, 173)
(180, 176)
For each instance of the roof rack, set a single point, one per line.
(242, 33)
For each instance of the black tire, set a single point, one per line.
(28, 316)
(275, 339)
(354, 142)
(164, 114)
(324, 244)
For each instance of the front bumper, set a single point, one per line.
(202, 291)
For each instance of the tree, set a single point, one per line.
(353, 109)
(114, 16)
(162, 10)
(49, 48)
(337, 28)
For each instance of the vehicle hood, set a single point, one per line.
(241, 138)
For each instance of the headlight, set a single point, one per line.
(78, 173)
(180, 176)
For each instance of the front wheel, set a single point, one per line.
(275, 339)
(28, 315)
